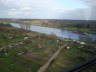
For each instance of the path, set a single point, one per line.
(45, 66)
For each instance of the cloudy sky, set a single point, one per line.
(41, 9)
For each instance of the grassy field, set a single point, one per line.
(27, 51)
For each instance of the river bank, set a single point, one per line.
(88, 30)
(61, 33)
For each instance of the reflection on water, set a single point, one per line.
(59, 32)
(25, 26)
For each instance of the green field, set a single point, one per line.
(27, 51)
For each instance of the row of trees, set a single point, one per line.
(90, 25)
(79, 24)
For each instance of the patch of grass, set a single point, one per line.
(70, 58)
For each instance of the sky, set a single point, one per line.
(43, 9)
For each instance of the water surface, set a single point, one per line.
(75, 35)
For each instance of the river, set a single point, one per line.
(74, 35)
